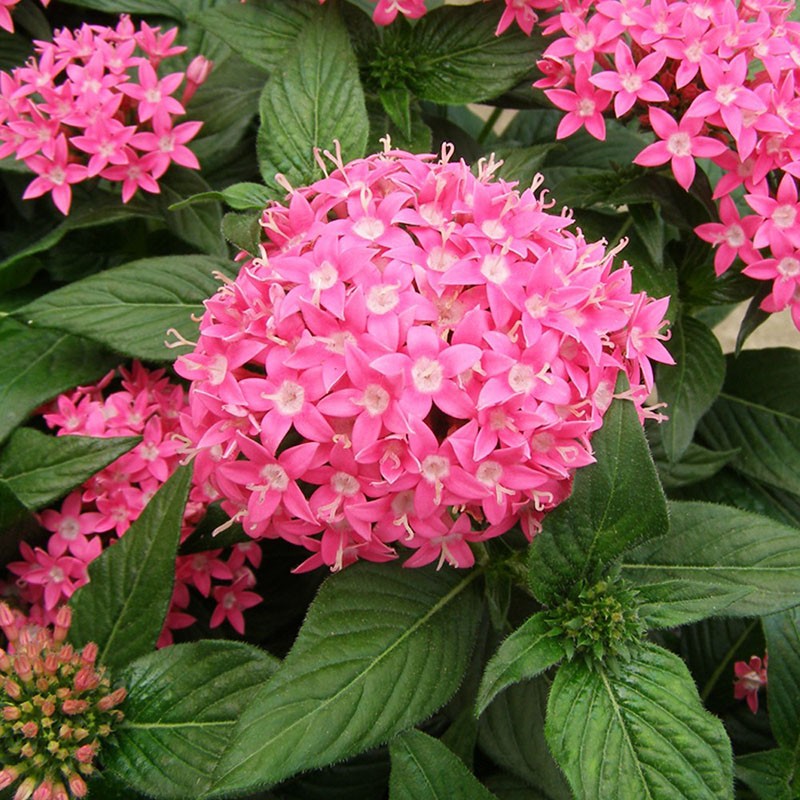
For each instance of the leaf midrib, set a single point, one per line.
(438, 606)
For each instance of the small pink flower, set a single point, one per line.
(231, 601)
(585, 107)
(680, 144)
(750, 677)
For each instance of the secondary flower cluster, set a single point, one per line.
(417, 356)
(92, 103)
(93, 516)
(6, 7)
(56, 708)
(713, 79)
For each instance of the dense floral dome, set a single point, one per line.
(418, 357)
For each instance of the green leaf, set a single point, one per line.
(601, 519)
(452, 55)
(511, 733)
(717, 560)
(261, 32)
(691, 385)
(111, 210)
(243, 230)
(40, 469)
(16, 522)
(199, 226)
(160, 8)
(123, 606)
(649, 224)
(522, 163)
(424, 769)
(396, 101)
(381, 649)
(642, 733)
(316, 98)
(183, 704)
(758, 412)
(696, 464)
(35, 365)
(782, 632)
(246, 196)
(130, 308)
(529, 650)
(769, 774)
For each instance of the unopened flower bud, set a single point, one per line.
(89, 653)
(196, 73)
(63, 621)
(8, 622)
(77, 785)
(25, 789)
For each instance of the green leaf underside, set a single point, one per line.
(40, 469)
(641, 734)
(316, 98)
(599, 522)
(381, 649)
(130, 308)
(782, 632)
(691, 385)
(528, 651)
(696, 464)
(123, 606)
(424, 769)
(35, 365)
(183, 703)
(758, 412)
(717, 560)
(769, 774)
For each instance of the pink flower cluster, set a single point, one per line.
(713, 79)
(92, 104)
(6, 7)
(147, 404)
(418, 356)
(751, 676)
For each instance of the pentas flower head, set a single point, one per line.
(417, 357)
(57, 708)
(91, 103)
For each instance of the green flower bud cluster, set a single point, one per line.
(599, 621)
(56, 707)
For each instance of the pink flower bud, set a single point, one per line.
(22, 666)
(89, 653)
(7, 776)
(10, 713)
(12, 689)
(85, 753)
(25, 789)
(199, 69)
(30, 729)
(63, 621)
(110, 700)
(86, 679)
(8, 623)
(73, 706)
(44, 791)
(77, 785)
(59, 792)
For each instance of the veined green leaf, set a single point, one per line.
(424, 769)
(769, 774)
(131, 308)
(381, 649)
(642, 733)
(691, 385)
(35, 365)
(529, 650)
(716, 560)
(315, 99)
(122, 608)
(183, 703)
(758, 412)
(599, 522)
(511, 733)
(40, 469)
(782, 632)
(454, 57)
(262, 31)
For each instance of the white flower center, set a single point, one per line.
(375, 400)
(69, 528)
(324, 277)
(275, 477)
(789, 267)
(369, 228)
(784, 216)
(289, 398)
(495, 269)
(585, 107)
(427, 375)
(382, 298)
(521, 378)
(489, 473)
(631, 82)
(344, 484)
(734, 236)
(679, 144)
